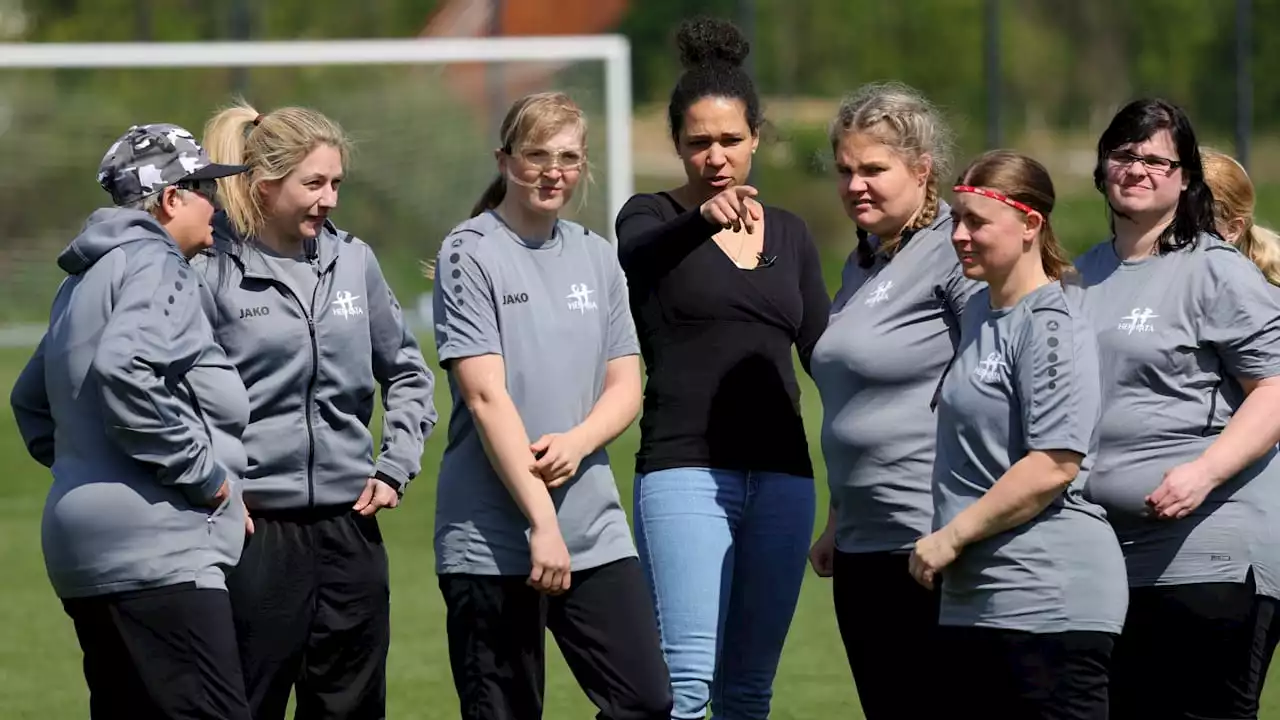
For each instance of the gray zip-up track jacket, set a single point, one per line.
(138, 413)
(310, 365)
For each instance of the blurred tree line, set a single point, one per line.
(1065, 63)
(422, 157)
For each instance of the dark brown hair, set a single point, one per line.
(1140, 120)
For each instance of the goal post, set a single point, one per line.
(613, 50)
(423, 114)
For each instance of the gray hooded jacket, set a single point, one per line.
(138, 413)
(310, 365)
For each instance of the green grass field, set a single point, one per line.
(39, 659)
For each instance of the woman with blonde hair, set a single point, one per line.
(894, 329)
(1233, 206)
(1234, 199)
(533, 329)
(305, 315)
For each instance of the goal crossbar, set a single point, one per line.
(613, 50)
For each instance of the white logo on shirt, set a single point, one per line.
(1137, 321)
(579, 298)
(345, 305)
(880, 294)
(988, 371)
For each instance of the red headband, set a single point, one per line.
(996, 196)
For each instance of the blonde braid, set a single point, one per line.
(929, 213)
(923, 218)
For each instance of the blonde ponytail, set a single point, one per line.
(1262, 246)
(272, 145)
(225, 139)
(1234, 199)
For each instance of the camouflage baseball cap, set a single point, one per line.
(149, 158)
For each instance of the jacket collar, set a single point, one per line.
(326, 247)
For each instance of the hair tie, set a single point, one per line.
(257, 120)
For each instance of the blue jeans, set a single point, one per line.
(724, 553)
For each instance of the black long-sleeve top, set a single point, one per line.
(717, 339)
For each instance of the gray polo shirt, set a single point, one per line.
(1026, 379)
(893, 329)
(1174, 330)
(557, 313)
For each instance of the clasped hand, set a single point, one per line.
(557, 457)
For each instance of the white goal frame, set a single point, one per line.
(613, 50)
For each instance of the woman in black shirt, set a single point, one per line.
(721, 287)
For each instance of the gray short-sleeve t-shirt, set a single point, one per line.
(893, 329)
(1026, 379)
(557, 313)
(1174, 332)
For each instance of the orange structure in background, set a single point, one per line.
(473, 83)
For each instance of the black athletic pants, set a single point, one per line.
(311, 601)
(1015, 675)
(889, 624)
(160, 654)
(1193, 651)
(605, 627)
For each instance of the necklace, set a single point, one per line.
(735, 256)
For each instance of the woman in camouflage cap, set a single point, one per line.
(135, 409)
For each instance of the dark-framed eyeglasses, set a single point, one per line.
(1153, 163)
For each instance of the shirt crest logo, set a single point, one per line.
(988, 371)
(344, 305)
(880, 294)
(579, 298)
(1138, 321)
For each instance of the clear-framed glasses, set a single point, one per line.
(544, 159)
(1153, 163)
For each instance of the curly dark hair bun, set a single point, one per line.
(710, 41)
(712, 52)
